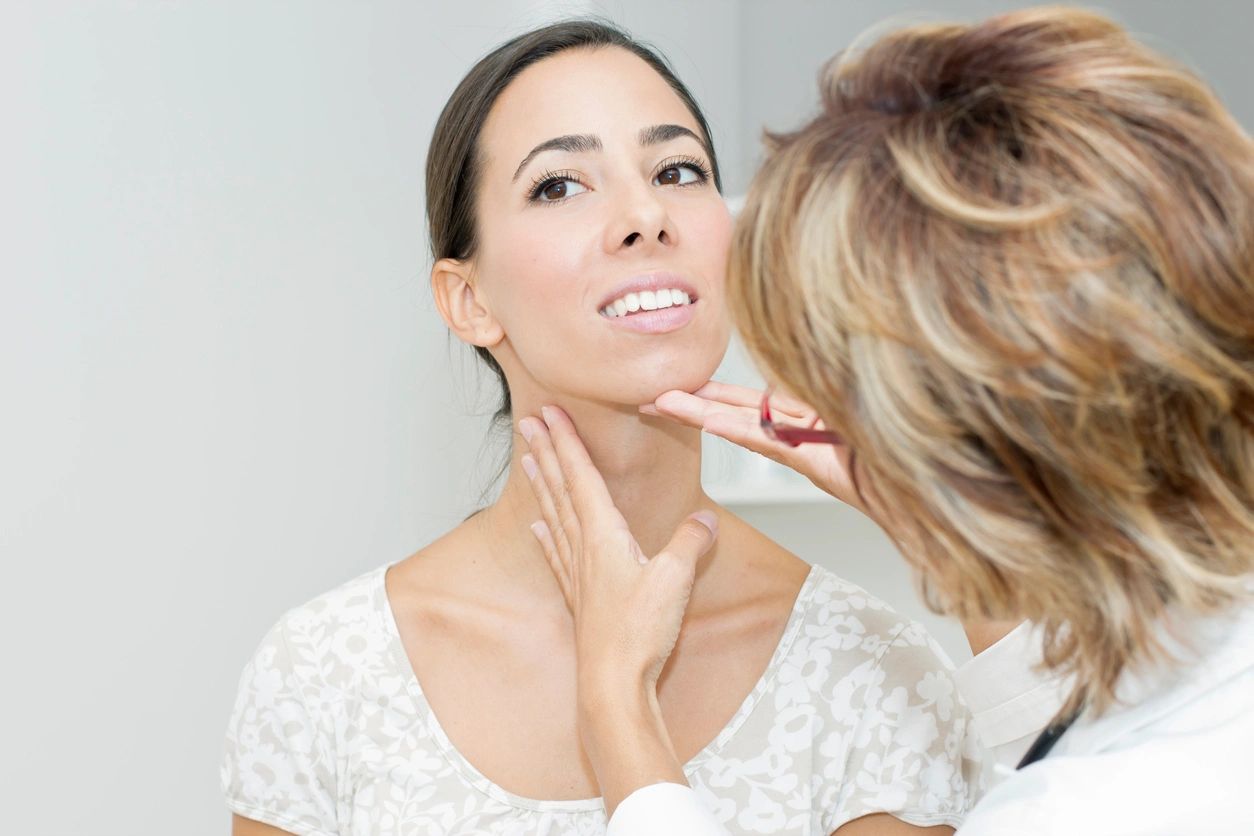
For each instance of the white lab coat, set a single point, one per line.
(1175, 758)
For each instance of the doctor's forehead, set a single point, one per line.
(607, 92)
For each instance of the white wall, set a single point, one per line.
(225, 388)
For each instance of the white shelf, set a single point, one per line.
(759, 493)
(734, 476)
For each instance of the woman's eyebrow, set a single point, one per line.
(572, 143)
(657, 134)
(583, 143)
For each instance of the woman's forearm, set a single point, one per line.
(626, 739)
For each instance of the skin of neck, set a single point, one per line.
(651, 466)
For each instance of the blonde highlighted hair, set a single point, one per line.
(1013, 264)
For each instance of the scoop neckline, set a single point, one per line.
(476, 779)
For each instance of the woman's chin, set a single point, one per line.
(634, 381)
(646, 389)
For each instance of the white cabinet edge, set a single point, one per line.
(760, 493)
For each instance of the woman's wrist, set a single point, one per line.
(613, 709)
(626, 739)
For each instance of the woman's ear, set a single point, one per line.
(462, 303)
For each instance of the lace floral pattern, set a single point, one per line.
(856, 713)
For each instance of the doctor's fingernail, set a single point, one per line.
(548, 415)
(524, 427)
(529, 466)
(708, 519)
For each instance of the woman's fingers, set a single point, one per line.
(733, 413)
(588, 494)
(559, 565)
(557, 549)
(747, 432)
(715, 397)
(692, 539)
(733, 395)
(737, 424)
(551, 487)
(683, 407)
(695, 410)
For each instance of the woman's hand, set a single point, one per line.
(627, 607)
(733, 412)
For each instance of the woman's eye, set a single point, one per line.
(558, 189)
(676, 175)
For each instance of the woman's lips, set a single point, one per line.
(656, 281)
(660, 321)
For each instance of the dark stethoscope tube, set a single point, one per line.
(1046, 740)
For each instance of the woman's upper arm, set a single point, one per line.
(241, 826)
(882, 824)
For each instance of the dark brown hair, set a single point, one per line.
(454, 161)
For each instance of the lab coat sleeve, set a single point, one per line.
(664, 810)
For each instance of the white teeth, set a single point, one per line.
(646, 300)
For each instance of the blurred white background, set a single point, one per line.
(225, 387)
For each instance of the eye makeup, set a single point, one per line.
(548, 179)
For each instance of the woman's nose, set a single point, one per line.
(641, 224)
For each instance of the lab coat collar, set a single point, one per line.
(1207, 652)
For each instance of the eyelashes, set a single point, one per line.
(547, 179)
(694, 164)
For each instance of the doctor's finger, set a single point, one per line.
(746, 431)
(733, 395)
(738, 424)
(558, 565)
(552, 523)
(693, 410)
(590, 496)
(565, 521)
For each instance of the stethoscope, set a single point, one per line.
(1046, 739)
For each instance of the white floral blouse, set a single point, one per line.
(856, 713)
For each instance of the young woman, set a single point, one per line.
(1011, 265)
(580, 245)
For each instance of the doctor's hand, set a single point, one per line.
(627, 606)
(734, 412)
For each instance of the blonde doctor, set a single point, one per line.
(1007, 274)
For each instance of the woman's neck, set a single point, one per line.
(651, 466)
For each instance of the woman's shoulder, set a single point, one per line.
(352, 602)
(290, 712)
(862, 706)
(865, 632)
(835, 595)
(330, 638)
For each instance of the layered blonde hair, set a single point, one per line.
(1013, 264)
